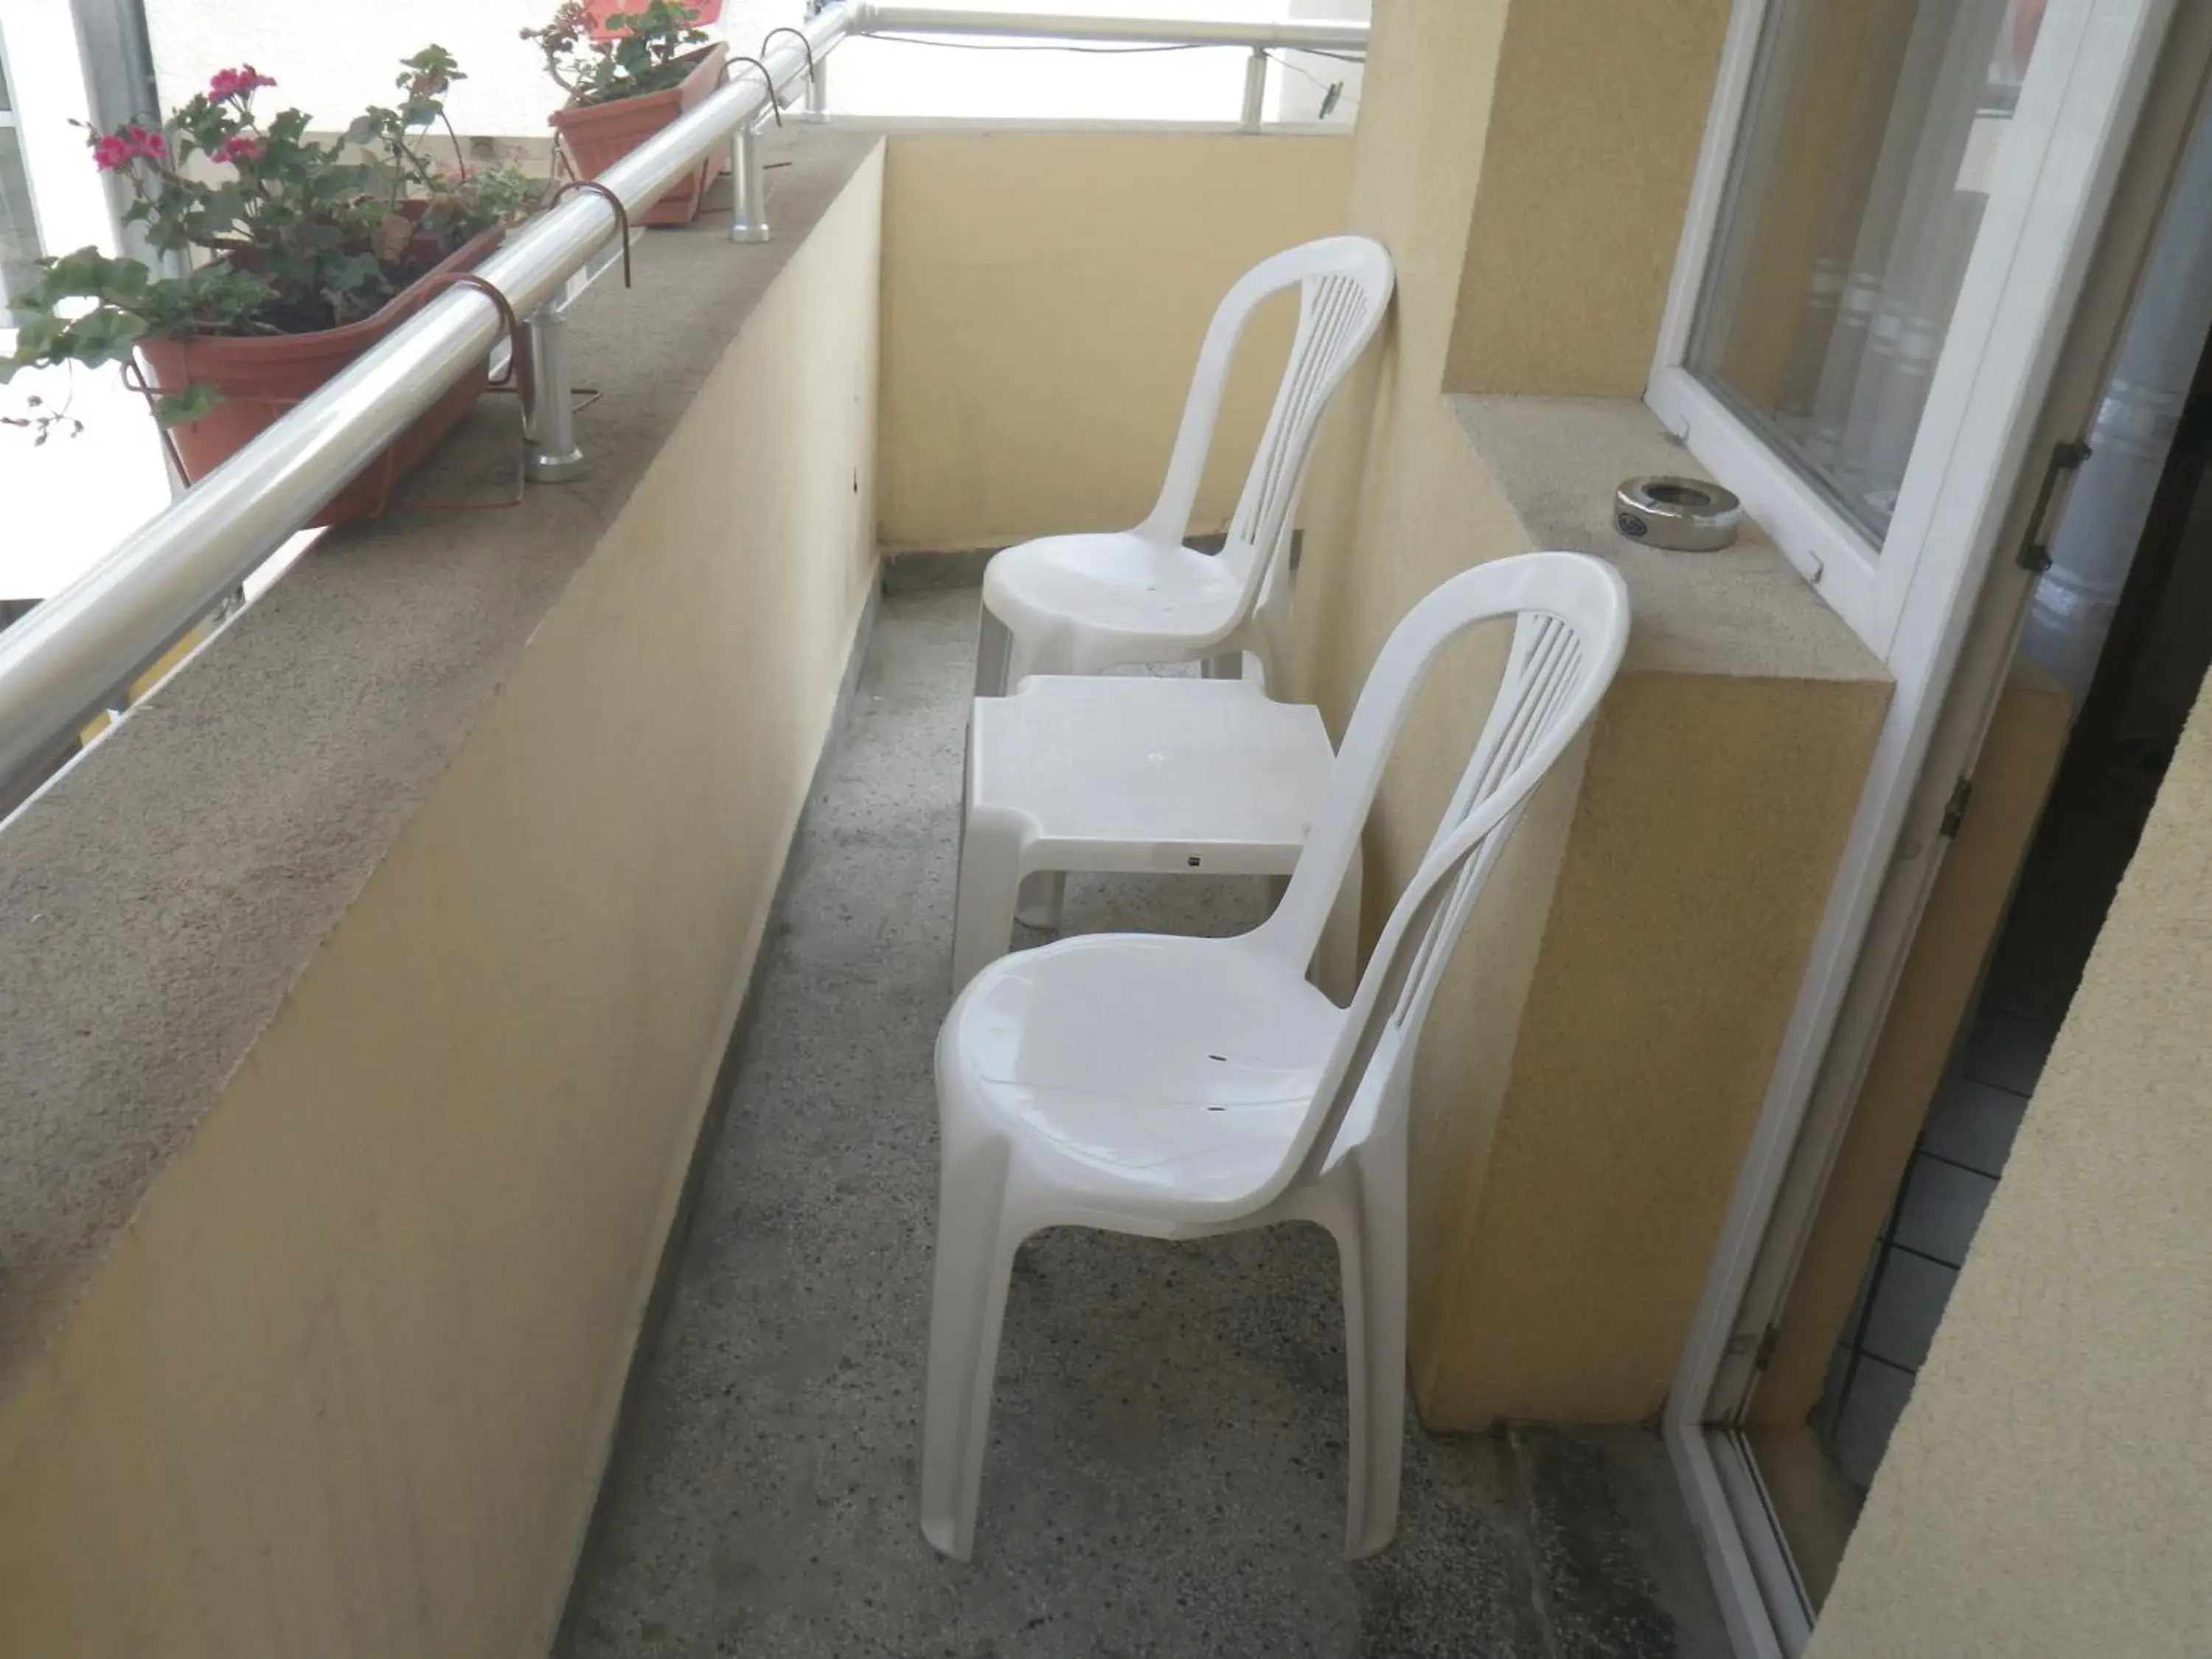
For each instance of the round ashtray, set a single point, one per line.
(1690, 515)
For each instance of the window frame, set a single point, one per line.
(1869, 586)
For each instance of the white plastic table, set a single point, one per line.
(1126, 775)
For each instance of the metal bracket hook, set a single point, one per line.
(805, 46)
(775, 104)
(622, 213)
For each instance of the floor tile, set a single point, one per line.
(1943, 1206)
(2007, 1050)
(1973, 1124)
(1907, 1305)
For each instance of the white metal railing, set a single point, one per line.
(64, 661)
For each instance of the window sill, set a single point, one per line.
(1742, 612)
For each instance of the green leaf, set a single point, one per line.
(193, 403)
(102, 336)
(336, 184)
(357, 272)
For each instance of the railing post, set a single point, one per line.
(749, 188)
(549, 454)
(1255, 89)
(818, 90)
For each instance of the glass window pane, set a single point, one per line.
(1861, 168)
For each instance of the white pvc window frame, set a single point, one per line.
(1824, 546)
(1912, 604)
(1870, 586)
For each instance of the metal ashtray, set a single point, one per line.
(1688, 514)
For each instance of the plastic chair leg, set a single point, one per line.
(1043, 901)
(1264, 660)
(1372, 1251)
(995, 656)
(968, 1308)
(983, 904)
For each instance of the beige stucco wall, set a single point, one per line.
(1589, 1081)
(2048, 1492)
(1597, 108)
(1044, 294)
(345, 1384)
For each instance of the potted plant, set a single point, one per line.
(629, 74)
(285, 259)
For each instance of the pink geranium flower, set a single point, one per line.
(237, 83)
(124, 145)
(243, 147)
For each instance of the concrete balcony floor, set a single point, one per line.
(1166, 1468)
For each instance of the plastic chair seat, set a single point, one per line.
(1080, 603)
(1141, 1072)
(1123, 590)
(1152, 774)
(1131, 775)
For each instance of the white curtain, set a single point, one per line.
(19, 238)
(1889, 263)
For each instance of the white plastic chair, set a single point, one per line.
(1136, 774)
(1177, 1088)
(1077, 605)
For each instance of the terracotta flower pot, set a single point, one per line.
(596, 135)
(261, 376)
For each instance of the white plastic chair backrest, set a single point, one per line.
(1344, 285)
(1572, 628)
